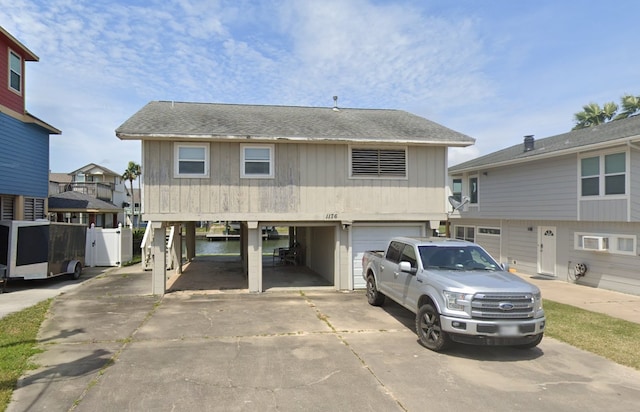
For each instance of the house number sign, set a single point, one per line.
(330, 216)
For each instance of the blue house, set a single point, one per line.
(24, 139)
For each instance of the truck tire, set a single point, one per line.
(430, 333)
(374, 296)
(530, 345)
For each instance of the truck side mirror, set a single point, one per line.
(505, 266)
(406, 267)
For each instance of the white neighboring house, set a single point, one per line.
(550, 204)
(343, 180)
(96, 182)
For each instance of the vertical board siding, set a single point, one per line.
(24, 158)
(308, 178)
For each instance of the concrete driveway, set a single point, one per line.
(110, 347)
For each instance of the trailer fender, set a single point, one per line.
(73, 267)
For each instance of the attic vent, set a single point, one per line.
(378, 162)
(528, 143)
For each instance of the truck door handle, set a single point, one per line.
(381, 267)
(395, 274)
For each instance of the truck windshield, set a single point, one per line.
(456, 258)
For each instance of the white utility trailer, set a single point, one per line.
(41, 249)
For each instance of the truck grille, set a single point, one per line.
(502, 306)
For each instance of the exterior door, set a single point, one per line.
(547, 250)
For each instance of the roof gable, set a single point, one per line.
(178, 120)
(608, 134)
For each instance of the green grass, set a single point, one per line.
(17, 344)
(612, 338)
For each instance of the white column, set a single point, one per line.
(159, 257)
(254, 257)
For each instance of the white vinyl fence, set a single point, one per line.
(108, 247)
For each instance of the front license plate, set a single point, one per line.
(509, 330)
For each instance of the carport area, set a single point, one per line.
(217, 274)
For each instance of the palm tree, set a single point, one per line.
(131, 174)
(593, 115)
(630, 105)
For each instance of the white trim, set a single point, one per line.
(9, 71)
(602, 175)
(176, 161)
(271, 161)
(612, 242)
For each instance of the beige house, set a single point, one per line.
(345, 180)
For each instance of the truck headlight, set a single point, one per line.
(457, 300)
(537, 301)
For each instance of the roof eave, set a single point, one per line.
(579, 149)
(257, 138)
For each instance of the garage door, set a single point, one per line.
(375, 238)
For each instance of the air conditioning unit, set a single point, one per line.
(598, 243)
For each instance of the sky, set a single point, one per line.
(495, 70)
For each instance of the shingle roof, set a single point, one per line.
(573, 141)
(79, 201)
(160, 119)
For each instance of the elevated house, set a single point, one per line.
(100, 189)
(343, 180)
(558, 205)
(24, 139)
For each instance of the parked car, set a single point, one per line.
(457, 291)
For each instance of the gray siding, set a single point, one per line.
(604, 210)
(311, 181)
(635, 185)
(537, 190)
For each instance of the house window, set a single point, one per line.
(609, 243)
(15, 72)
(378, 163)
(191, 160)
(257, 161)
(456, 189)
(603, 175)
(493, 231)
(465, 233)
(473, 190)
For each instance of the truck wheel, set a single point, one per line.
(430, 333)
(77, 271)
(374, 296)
(530, 345)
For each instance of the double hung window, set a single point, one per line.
(257, 161)
(15, 72)
(603, 175)
(191, 160)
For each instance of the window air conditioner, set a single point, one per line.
(595, 243)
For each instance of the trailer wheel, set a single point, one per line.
(77, 271)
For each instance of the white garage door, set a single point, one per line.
(375, 238)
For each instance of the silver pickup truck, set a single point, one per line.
(457, 291)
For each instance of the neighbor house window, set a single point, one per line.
(15, 72)
(456, 189)
(465, 233)
(257, 161)
(609, 243)
(473, 190)
(191, 160)
(378, 163)
(603, 175)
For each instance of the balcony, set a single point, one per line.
(99, 190)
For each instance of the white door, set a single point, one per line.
(365, 238)
(547, 250)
